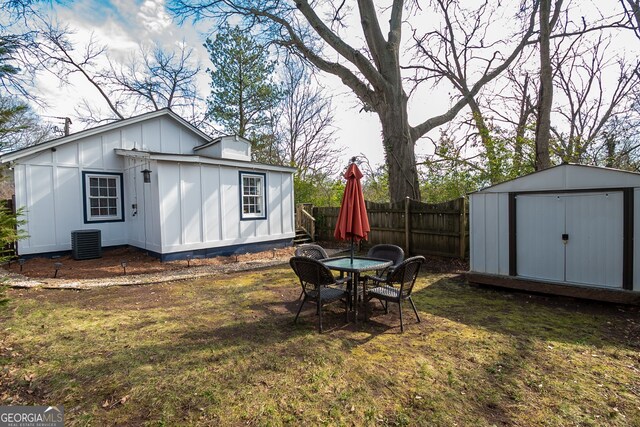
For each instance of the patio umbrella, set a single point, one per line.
(353, 222)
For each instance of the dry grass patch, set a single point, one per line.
(225, 351)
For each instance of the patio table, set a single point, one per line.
(354, 267)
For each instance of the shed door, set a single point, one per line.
(539, 227)
(593, 226)
(594, 223)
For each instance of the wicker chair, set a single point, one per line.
(384, 251)
(318, 285)
(403, 275)
(310, 250)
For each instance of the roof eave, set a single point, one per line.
(28, 151)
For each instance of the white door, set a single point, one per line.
(572, 237)
(539, 227)
(594, 249)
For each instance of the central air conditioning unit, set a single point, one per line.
(86, 244)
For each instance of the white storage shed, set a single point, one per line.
(198, 196)
(570, 230)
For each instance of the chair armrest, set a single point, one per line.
(375, 279)
(343, 280)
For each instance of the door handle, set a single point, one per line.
(565, 238)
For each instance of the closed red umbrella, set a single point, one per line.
(353, 223)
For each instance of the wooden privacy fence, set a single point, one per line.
(419, 228)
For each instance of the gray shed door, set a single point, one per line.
(592, 224)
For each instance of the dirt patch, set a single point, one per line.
(137, 262)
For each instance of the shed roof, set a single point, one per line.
(27, 151)
(568, 177)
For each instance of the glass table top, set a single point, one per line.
(345, 263)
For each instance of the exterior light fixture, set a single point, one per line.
(21, 261)
(146, 176)
(123, 263)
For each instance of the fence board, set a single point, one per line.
(434, 229)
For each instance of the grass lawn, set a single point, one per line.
(224, 351)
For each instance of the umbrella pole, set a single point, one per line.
(351, 249)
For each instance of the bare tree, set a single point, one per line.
(632, 11)
(60, 56)
(372, 71)
(460, 49)
(592, 97)
(152, 80)
(545, 92)
(305, 123)
(155, 78)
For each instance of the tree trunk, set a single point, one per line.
(399, 150)
(545, 97)
(493, 163)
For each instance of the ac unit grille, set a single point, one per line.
(86, 244)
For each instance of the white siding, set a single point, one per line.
(51, 187)
(143, 222)
(67, 154)
(477, 232)
(151, 136)
(489, 233)
(230, 204)
(211, 206)
(274, 209)
(91, 153)
(68, 198)
(170, 211)
(41, 209)
(187, 206)
(502, 251)
(288, 217)
(200, 208)
(191, 204)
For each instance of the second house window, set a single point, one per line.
(252, 192)
(103, 197)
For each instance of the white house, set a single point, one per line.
(571, 230)
(204, 197)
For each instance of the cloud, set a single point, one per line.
(154, 17)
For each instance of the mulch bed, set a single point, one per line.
(138, 262)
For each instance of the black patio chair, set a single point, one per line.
(404, 275)
(311, 250)
(385, 251)
(318, 285)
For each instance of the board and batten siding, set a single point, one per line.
(49, 184)
(200, 207)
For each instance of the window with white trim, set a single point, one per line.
(103, 198)
(252, 192)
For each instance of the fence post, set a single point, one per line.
(407, 225)
(463, 228)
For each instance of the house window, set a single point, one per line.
(103, 197)
(252, 192)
